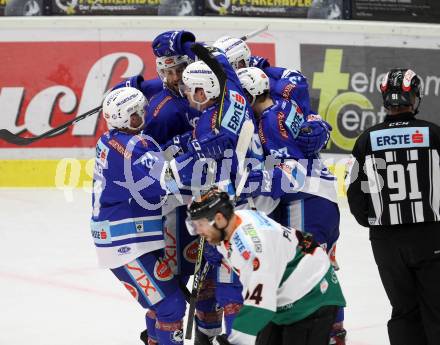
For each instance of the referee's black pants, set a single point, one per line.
(408, 258)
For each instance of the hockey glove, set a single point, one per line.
(178, 144)
(211, 146)
(221, 339)
(313, 137)
(135, 82)
(212, 255)
(172, 43)
(185, 167)
(258, 61)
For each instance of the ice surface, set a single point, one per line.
(52, 292)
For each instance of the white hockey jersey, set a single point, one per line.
(281, 282)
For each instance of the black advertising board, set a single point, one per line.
(344, 85)
(325, 9)
(397, 10)
(23, 8)
(124, 7)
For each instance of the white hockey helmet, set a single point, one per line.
(254, 81)
(120, 104)
(164, 62)
(236, 50)
(198, 75)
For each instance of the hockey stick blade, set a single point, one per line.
(254, 33)
(15, 139)
(244, 141)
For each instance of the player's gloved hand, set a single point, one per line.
(178, 144)
(135, 82)
(273, 183)
(211, 146)
(313, 136)
(172, 43)
(258, 61)
(221, 339)
(212, 255)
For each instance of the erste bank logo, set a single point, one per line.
(396, 138)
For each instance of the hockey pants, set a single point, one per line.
(152, 283)
(313, 330)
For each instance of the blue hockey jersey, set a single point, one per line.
(128, 186)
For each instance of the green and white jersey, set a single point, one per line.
(281, 283)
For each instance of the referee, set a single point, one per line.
(395, 191)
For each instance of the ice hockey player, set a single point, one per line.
(202, 88)
(293, 295)
(149, 88)
(284, 83)
(127, 224)
(295, 140)
(169, 113)
(170, 122)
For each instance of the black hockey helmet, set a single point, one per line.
(210, 203)
(397, 87)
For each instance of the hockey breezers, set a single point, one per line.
(12, 138)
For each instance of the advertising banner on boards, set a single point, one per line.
(323, 9)
(67, 80)
(105, 7)
(344, 85)
(397, 10)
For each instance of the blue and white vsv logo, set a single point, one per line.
(398, 138)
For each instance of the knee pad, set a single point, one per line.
(169, 319)
(171, 308)
(208, 316)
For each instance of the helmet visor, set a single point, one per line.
(195, 227)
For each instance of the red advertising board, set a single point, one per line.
(44, 84)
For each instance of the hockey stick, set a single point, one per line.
(199, 275)
(244, 140)
(195, 287)
(254, 33)
(12, 138)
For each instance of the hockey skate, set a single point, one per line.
(338, 337)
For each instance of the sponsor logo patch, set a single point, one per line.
(256, 264)
(101, 232)
(124, 250)
(177, 336)
(294, 120)
(190, 251)
(162, 271)
(396, 138)
(101, 154)
(323, 286)
(235, 114)
(139, 226)
(133, 291)
(144, 282)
